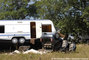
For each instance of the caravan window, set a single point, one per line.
(1, 29)
(46, 28)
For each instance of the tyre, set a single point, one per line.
(15, 40)
(38, 44)
(56, 36)
(57, 45)
(21, 40)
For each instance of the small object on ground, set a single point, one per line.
(33, 51)
(15, 52)
(23, 48)
(43, 50)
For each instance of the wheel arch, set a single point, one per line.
(18, 37)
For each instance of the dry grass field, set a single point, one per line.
(81, 52)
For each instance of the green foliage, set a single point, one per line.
(50, 9)
(85, 17)
(71, 16)
(67, 15)
(17, 9)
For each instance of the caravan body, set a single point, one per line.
(25, 29)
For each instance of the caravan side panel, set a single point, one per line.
(15, 30)
(18, 30)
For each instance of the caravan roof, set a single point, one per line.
(25, 20)
(4, 22)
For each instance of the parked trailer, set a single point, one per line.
(40, 33)
(19, 31)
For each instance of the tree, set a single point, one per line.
(66, 14)
(17, 9)
(50, 9)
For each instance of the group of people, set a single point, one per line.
(68, 46)
(67, 43)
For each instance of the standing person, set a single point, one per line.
(65, 45)
(72, 46)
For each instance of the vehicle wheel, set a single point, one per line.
(38, 44)
(57, 45)
(21, 40)
(56, 36)
(14, 40)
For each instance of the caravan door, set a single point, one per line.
(38, 29)
(33, 29)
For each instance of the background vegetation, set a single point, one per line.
(71, 16)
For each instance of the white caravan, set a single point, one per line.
(18, 31)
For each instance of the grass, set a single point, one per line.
(81, 52)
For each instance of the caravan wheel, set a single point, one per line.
(21, 40)
(14, 40)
